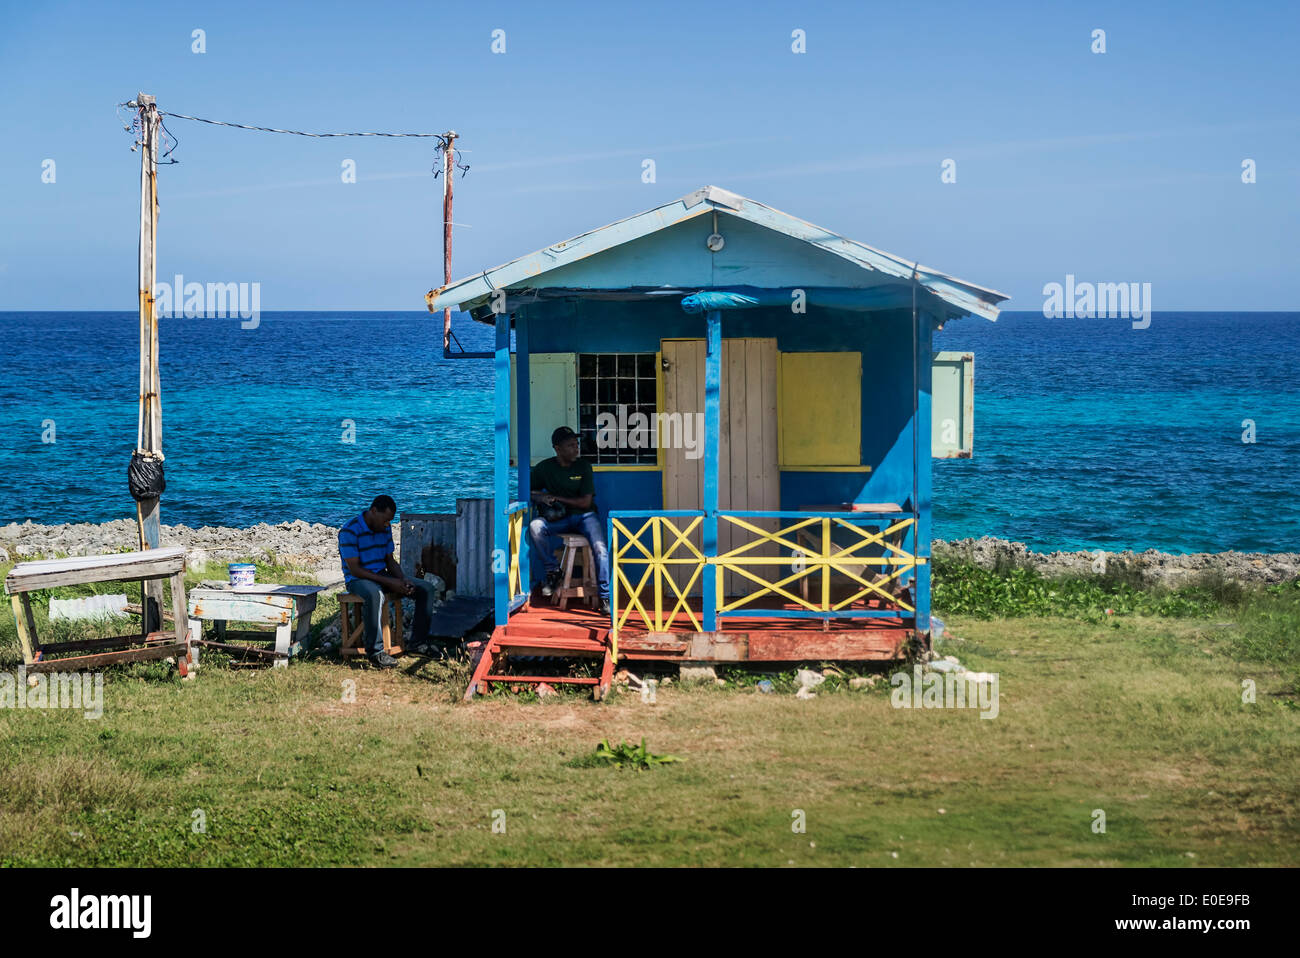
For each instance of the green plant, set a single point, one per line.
(962, 588)
(635, 756)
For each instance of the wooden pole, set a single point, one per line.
(448, 165)
(149, 431)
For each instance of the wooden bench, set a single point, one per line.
(285, 609)
(149, 565)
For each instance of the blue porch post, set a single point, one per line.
(523, 444)
(712, 433)
(501, 474)
(924, 466)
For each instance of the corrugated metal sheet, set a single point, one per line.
(429, 541)
(960, 296)
(474, 547)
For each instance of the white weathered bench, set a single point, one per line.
(28, 577)
(286, 608)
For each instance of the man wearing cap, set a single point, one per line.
(564, 489)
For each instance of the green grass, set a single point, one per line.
(1138, 713)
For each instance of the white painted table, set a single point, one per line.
(286, 608)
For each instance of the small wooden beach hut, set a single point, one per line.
(760, 400)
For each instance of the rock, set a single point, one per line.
(329, 575)
(943, 665)
(765, 686)
(953, 659)
(809, 679)
(805, 693)
(697, 673)
(863, 681)
(196, 559)
(544, 690)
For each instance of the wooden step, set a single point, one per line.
(537, 679)
(550, 646)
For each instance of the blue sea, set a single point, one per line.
(1088, 433)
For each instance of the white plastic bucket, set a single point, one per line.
(241, 573)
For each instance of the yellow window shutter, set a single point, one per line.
(820, 409)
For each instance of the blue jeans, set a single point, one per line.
(542, 542)
(374, 597)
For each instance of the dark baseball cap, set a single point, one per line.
(561, 434)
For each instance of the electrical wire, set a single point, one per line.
(271, 129)
(442, 138)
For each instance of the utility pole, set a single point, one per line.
(145, 475)
(448, 165)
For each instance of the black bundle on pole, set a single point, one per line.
(145, 477)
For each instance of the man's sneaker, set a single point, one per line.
(382, 660)
(551, 584)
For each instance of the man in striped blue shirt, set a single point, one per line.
(370, 570)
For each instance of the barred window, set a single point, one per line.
(613, 388)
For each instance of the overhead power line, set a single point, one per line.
(442, 138)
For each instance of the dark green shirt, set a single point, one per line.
(572, 482)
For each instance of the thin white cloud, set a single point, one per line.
(932, 155)
(528, 163)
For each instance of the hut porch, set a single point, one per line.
(768, 635)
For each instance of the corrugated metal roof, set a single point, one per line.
(526, 271)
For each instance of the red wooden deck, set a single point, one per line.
(739, 638)
(541, 629)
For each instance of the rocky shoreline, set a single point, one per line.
(1151, 566)
(313, 546)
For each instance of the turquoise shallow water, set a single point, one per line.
(1088, 433)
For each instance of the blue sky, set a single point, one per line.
(1115, 167)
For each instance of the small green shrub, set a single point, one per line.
(623, 755)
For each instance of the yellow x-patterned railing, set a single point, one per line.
(815, 554)
(516, 543)
(659, 547)
(669, 549)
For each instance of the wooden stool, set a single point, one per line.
(586, 588)
(352, 629)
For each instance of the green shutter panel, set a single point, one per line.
(952, 405)
(553, 401)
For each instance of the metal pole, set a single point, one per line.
(914, 576)
(448, 164)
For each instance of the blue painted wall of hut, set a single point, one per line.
(883, 338)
